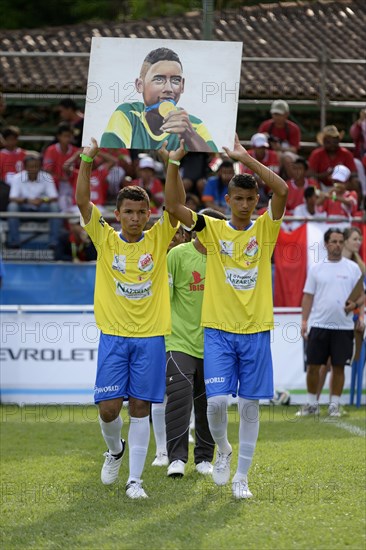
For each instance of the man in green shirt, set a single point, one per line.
(149, 124)
(184, 346)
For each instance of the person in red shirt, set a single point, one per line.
(54, 159)
(11, 157)
(262, 152)
(151, 184)
(298, 184)
(284, 135)
(57, 154)
(323, 160)
(337, 201)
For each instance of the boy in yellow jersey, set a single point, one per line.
(132, 310)
(237, 311)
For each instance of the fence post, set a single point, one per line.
(323, 88)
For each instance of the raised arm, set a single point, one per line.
(175, 196)
(164, 155)
(270, 178)
(82, 194)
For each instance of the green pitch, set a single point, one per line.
(307, 478)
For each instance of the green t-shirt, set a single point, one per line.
(187, 272)
(128, 128)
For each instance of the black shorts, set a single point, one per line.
(325, 342)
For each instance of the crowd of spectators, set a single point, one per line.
(330, 182)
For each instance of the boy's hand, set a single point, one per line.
(92, 150)
(239, 152)
(164, 153)
(179, 153)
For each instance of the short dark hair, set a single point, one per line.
(244, 181)
(301, 160)
(11, 131)
(61, 128)
(133, 193)
(226, 164)
(162, 54)
(309, 192)
(212, 213)
(68, 103)
(331, 230)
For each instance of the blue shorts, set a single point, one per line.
(231, 359)
(130, 367)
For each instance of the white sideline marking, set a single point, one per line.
(355, 430)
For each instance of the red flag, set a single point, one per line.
(290, 258)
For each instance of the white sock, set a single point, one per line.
(158, 422)
(192, 422)
(312, 400)
(335, 399)
(111, 432)
(248, 434)
(138, 442)
(217, 421)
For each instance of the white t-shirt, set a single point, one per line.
(23, 188)
(331, 283)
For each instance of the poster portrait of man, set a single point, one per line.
(143, 92)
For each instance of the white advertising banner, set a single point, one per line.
(51, 357)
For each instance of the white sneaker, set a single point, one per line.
(205, 468)
(176, 468)
(308, 409)
(190, 438)
(240, 487)
(221, 469)
(161, 459)
(135, 490)
(334, 410)
(111, 466)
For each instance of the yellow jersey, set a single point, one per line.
(131, 296)
(238, 286)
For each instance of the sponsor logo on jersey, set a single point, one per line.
(101, 221)
(145, 262)
(227, 248)
(242, 280)
(134, 291)
(252, 247)
(198, 283)
(215, 380)
(119, 263)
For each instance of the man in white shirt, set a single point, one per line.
(33, 190)
(326, 292)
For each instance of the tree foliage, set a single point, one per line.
(19, 14)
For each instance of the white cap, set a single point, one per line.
(280, 106)
(341, 173)
(147, 162)
(259, 140)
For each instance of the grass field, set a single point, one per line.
(307, 478)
